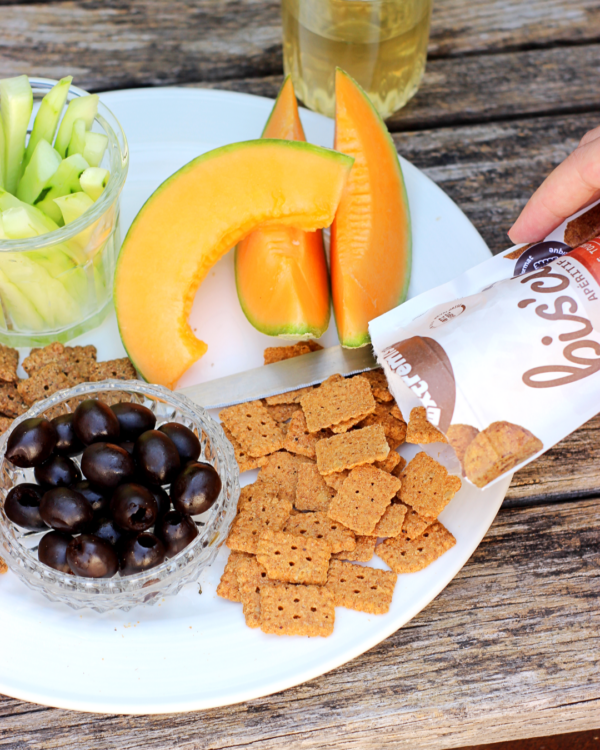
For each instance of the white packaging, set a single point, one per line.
(505, 358)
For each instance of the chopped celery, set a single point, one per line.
(72, 206)
(44, 163)
(77, 142)
(93, 181)
(22, 313)
(84, 107)
(24, 221)
(49, 208)
(16, 103)
(46, 120)
(95, 146)
(65, 180)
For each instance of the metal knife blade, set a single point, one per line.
(270, 380)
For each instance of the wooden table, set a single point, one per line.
(511, 648)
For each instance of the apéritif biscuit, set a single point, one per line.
(460, 436)
(420, 430)
(255, 430)
(405, 555)
(498, 448)
(363, 446)
(363, 499)
(363, 552)
(228, 587)
(299, 440)
(258, 514)
(319, 526)
(363, 589)
(296, 610)
(252, 577)
(336, 402)
(293, 559)
(9, 361)
(379, 385)
(312, 493)
(426, 486)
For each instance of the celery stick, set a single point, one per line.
(77, 142)
(25, 221)
(84, 107)
(93, 181)
(72, 206)
(46, 120)
(44, 163)
(95, 146)
(49, 208)
(65, 180)
(16, 100)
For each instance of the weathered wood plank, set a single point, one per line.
(510, 649)
(121, 43)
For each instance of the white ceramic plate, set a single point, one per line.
(192, 652)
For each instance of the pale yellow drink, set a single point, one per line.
(381, 43)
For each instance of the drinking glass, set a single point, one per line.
(380, 43)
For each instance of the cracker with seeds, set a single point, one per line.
(336, 402)
(318, 525)
(363, 552)
(113, 369)
(293, 559)
(228, 587)
(251, 579)
(283, 412)
(76, 362)
(43, 383)
(363, 499)
(299, 440)
(336, 480)
(364, 446)
(244, 461)
(395, 428)
(405, 555)
(420, 430)
(259, 513)
(311, 491)
(255, 491)
(379, 385)
(290, 397)
(282, 469)
(391, 522)
(9, 361)
(296, 610)
(11, 401)
(255, 430)
(413, 524)
(427, 486)
(360, 588)
(460, 437)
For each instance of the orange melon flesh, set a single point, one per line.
(193, 219)
(371, 236)
(281, 272)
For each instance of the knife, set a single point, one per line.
(289, 375)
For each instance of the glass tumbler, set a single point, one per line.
(58, 285)
(380, 43)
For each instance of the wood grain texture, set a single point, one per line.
(123, 43)
(510, 648)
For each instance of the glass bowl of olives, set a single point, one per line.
(114, 494)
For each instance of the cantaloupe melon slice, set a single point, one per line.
(281, 272)
(371, 236)
(193, 219)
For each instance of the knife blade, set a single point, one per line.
(289, 375)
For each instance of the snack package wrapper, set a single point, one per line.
(505, 358)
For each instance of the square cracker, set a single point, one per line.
(44, 382)
(363, 552)
(293, 559)
(420, 430)
(255, 430)
(9, 361)
(258, 514)
(379, 385)
(405, 555)
(390, 418)
(113, 369)
(427, 486)
(244, 461)
(252, 577)
(391, 522)
(360, 588)
(273, 354)
(283, 412)
(11, 401)
(413, 524)
(299, 440)
(363, 499)
(336, 480)
(351, 449)
(256, 491)
(337, 401)
(75, 362)
(281, 470)
(228, 587)
(320, 526)
(311, 491)
(290, 397)
(296, 610)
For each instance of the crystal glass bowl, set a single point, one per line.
(19, 546)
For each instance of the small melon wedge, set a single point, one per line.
(193, 219)
(371, 235)
(281, 272)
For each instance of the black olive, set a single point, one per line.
(22, 506)
(99, 500)
(140, 553)
(52, 550)
(107, 529)
(128, 446)
(134, 419)
(57, 471)
(92, 557)
(156, 457)
(133, 507)
(187, 444)
(31, 443)
(176, 530)
(107, 465)
(196, 489)
(68, 444)
(162, 499)
(95, 422)
(64, 509)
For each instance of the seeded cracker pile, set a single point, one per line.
(331, 491)
(50, 369)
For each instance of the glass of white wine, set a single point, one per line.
(380, 43)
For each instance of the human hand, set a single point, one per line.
(573, 185)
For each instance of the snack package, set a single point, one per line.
(505, 358)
